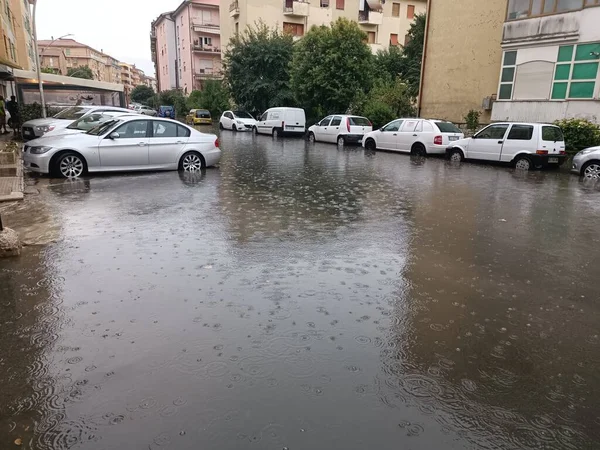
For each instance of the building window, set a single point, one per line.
(507, 76)
(396, 9)
(324, 3)
(68, 52)
(339, 4)
(393, 39)
(295, 29)
(371, 37)
(206, 17)
(407, 39)
(576, 71)
(208, 42)
(522, 9)
(410, 11)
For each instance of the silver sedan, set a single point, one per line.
(587, 163)
(126, 143)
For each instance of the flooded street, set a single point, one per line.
(306, 297)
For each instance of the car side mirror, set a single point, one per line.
(380, 130)
(114, 135)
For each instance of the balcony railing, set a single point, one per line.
(234, 9)
(370, 18)
(204, 27)
(206, 49)
(295, 8)
(207, 73)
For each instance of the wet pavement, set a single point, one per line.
(306, 297)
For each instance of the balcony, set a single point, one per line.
(234, 9)
(206, 49)
(208, 73)
(370, 18)
(549, 29)
(208, 28)
(296, 8)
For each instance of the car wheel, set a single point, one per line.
(275, 133)
(70, 165)
(233, 127)
(220, 126)
(191, 162)
(523, 163)
(456, 155)
(418, 150)
(371, 145)
(311, 137)
(341, 141)
(591, 170)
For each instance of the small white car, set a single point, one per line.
(38, 127)
(236, 121)
(145, 110)
(340, 129)
(281, 121)
(524, 145)
(587, 163)
(127, 143)
(415, 136)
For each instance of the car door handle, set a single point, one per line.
(415, 135)
(500, 142)
(395, 134)
(180, 142)
(141, 144)
(337, 128)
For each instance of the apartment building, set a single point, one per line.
(522, 60)
(385, 22)
(16, 45)
(186, 45)
(149, 81)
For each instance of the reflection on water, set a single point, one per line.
(305, 296)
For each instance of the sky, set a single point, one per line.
(120, 28)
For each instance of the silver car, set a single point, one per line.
(126, 143)
(587, 163)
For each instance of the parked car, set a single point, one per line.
(587, 163)
(38, 127)
(281, 121)
(126, 143)
(415, 136)
(198, 117)
(145, 110)
(524, 145)
(236, 121)
(166, 111)
(86, 123)
(341, 129)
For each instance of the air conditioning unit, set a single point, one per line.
(488, 102)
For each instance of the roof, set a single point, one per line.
(62, 43)
(51, 52)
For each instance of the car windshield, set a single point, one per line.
(447, 127)
(72, 113)
(103, 127)
(360, 121)
(550, 133)
(90, 121)
(242, 115)
(203, 114)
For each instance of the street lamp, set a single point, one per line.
(37, 59)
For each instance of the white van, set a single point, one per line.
(524, 145)
(281, 121)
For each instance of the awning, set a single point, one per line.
(375, 5)
(8, 63)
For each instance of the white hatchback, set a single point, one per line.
(415, 136)
(340, 129)
(236, 121)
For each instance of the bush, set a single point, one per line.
(378, 113)
(472, 120)
(34, 111)
(174, 98)
(579, 134)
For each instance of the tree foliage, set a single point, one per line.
(81, 72)
(142, 94)
(213, 97)
(412, 54)
(256, 66)
(389, 63)
(331, 67)
(388, 100)
(579, 134)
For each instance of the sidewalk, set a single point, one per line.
(11, 170)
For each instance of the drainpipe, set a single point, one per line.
(423, 59)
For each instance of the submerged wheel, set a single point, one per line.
(591, 170)
(70, 165)
(456, 155)
(191, 162)
(523, 163)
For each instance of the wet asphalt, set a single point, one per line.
(307, 297)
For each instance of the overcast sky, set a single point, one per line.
(121, 28)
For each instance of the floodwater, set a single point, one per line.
(306, 297)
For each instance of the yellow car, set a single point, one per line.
(198, 117)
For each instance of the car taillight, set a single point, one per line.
(348, 124)
(217, 142)
(562, 152)
(370, 124)
(438, 140)
(282, 124)
(542, 152)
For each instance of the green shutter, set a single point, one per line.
(559, 91)
(586, 52)
(565, 53)
(510, 58)
(505, 92)
(562, 71)
(585, 71)
(582, 89)
(508, 74)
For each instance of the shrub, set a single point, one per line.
(472, 120)
(579, 134)
(34, 111)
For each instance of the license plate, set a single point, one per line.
(453, 138)
(552, 160)
(26, 133)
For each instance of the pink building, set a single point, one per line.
(186, 45)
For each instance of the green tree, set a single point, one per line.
(388, 100)
(412, 54)
(49, 70)
(142, 94)
(579, 134)
(332, 66)
(389, 63)
(81, 72)
(173, 98)
(214, 97)
(256, 66)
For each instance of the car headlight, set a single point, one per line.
(584, 152)
(39, 150)
(44, 128)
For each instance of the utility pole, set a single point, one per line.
(37, 59)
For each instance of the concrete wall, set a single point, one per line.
(463, 57)
(544, 111)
